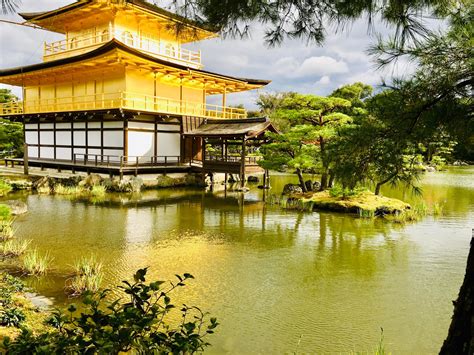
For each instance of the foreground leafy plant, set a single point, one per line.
(12, 317)
(138, 325)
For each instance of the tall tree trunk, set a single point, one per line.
(301, 179)
(324, 175)
(383, 182)
(324, 181)
(460, 338)
(331, 180)
(377, 188)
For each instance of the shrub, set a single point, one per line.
(136, 326)
(5, 187)
(13, 247)
(12, 317)
(87, 277)
(36, 264)
(5, 212)
(8, 286)
(338, 191)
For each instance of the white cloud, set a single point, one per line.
(310, 67)
(325, 80)
(316, 66)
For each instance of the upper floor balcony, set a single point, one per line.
(125, 100)
(169, 51)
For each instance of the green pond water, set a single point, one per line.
(278, 281)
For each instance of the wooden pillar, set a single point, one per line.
(25, 159)
(224, 102)
(266, 179)
(125, 139)
(242, 164)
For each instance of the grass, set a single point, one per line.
(36, 264)
(60, 189)
(12, 248)
(410, 215)
(87, 277)
(6, 229)
(363, 203)
(438, 209)
(98, 191)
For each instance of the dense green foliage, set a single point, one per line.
(136, 323)
(11, 133)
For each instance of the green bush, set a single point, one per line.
(137, 325)
(338, 191)
(5, 212)
(5, 187)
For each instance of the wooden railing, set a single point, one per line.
(11, 108)
(249, 160)
(125, 100)
(98, 160)
(144, 43)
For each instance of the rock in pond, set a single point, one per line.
(252, 179)
(17, 207)
(292, 189)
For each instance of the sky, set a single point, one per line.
(293, 66)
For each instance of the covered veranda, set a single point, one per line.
(229, 146)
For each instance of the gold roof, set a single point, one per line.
(74, 17)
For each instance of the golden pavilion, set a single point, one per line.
(121, 92)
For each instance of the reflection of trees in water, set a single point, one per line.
(361, 246)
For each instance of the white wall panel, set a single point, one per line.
(93, 125)
(140, 144)
(31, 126)
(63, 125)
(94, 151)
(47, 137)
(79, 138)
(168, 127)
(94, 138)
(79, 125)
(169, 144)
(33, 152)
(113, 124)
(141, 125)
(63, 153)
(31, 137)
(79, 151)
(62, 138)
(46, 125)
(47, 152)
(115, 154)
(113, 138)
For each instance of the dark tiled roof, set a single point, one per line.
(247, 127)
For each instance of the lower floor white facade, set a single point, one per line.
(102, 137)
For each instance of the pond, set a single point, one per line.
(278, 281)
